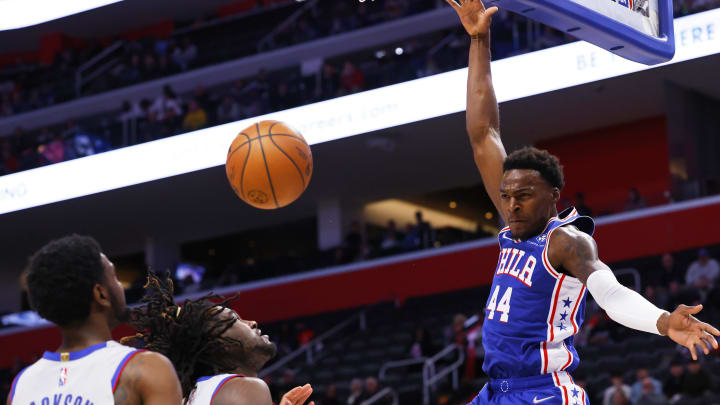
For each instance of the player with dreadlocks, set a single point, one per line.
(216, 353)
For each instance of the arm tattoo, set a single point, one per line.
(126, 390)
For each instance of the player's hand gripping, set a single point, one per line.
(297, 396)
(473, 15)
(686, 330)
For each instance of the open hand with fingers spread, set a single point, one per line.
(683, 328)
(297, 396)
(473, 15)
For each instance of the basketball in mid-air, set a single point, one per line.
(269, 165)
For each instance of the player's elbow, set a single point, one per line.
(479, 130)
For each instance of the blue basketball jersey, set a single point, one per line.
(533, 311)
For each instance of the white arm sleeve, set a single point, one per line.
(622, 304)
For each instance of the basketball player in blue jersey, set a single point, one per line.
(216, 353)
(72, 284)
(548, 261)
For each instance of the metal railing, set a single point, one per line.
(431, 376)
(381, 395)
(399, 364)
(309, 348)
(266, 42)
(629, 271)
(87, 71)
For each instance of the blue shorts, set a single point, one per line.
(556, 388)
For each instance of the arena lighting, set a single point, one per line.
(563, 66)
(24, 13)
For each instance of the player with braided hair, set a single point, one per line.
(217, 354)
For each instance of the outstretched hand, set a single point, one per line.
(473, 15)
(686, 330)
(297, 396)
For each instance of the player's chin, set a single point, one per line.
(518, 230)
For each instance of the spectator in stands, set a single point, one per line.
(391, 237)
(580, 205)
(7, 158)
(352, 80)
(196, 117)
(697, 381)
(185, 55)
(353, 241)
(166, 106)
(673, 383)
(131, 74)
(129, 111)
(149, 69)
(703, 272)
(670, 272)
(638, 389)
(356, 391)
(261, 86)
(205, 100)
(54, 150)
(422, 345)
(329, 83)
(648, 394)
(330, 397)
(281, 98)
(372, 388)
(228, 110)
(618, 392)
(634, 201)
(412, 239)
(304, 334)
(423, 230)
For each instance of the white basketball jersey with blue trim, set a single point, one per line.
(207, 387)
(533, 311)
(85, 377)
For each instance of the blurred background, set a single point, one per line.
(372, 281)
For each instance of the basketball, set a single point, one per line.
(269, 165)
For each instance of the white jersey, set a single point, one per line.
(85, 377)
(207, 387)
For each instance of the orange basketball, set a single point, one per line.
(269, 165)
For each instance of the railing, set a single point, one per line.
(309, 348)
(637, 285)
(266, 42)
(399, 364)
(432, 376)
(82, 76)
(381, 395)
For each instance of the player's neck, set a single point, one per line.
(94, 330)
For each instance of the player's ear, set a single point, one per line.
(101, 295)
(555, 194)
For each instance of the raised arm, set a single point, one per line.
(576, 252)
(481, 115)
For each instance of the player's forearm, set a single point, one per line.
(482, 110)
(624, 305)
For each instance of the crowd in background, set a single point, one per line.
(170, 113)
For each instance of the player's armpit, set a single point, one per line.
(244, 391)
(149, 379)
(575, 252)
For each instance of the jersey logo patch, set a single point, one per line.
(542, 238)
(63, 376)
(537, 401)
